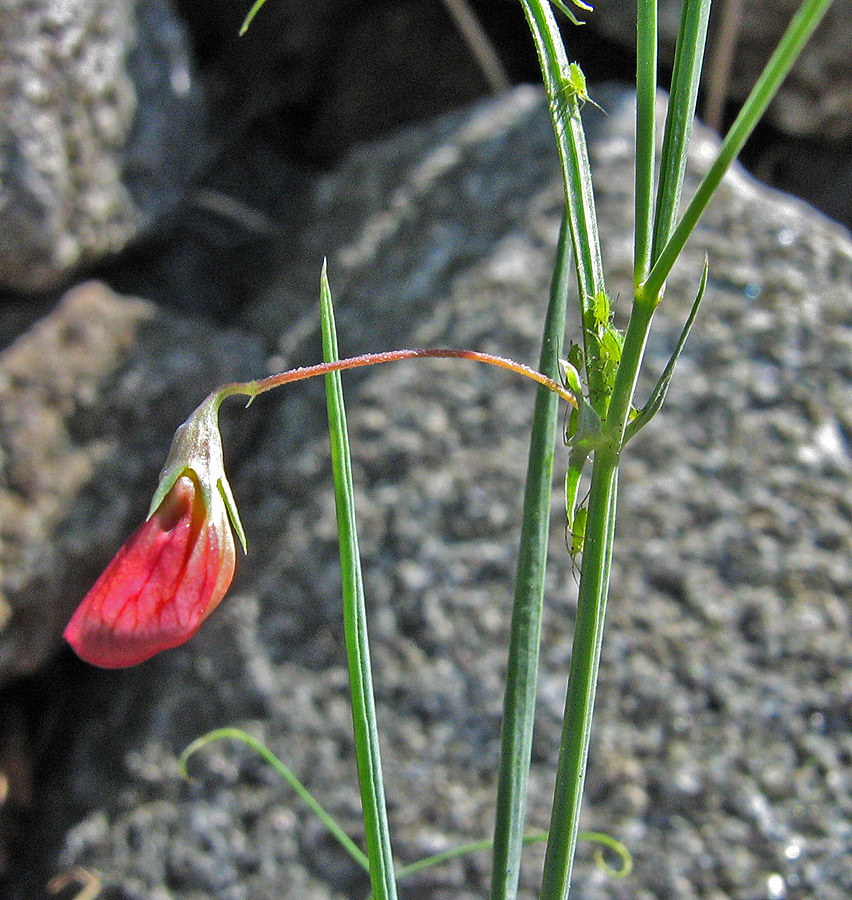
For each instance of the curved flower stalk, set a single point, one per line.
(175, 569)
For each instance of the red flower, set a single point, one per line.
(175, 569)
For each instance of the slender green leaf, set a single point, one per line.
(658, 395)
(522, 673)
(800, 29)
(686, 76)
(255, 9)
(367, 753)
(237, 734)
(646, 126)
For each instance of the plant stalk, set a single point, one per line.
(582, 678)
(522, 671)
(252, 389)
(365, 727)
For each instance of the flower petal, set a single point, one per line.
(161, 585)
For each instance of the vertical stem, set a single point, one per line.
(522, 674)
(576, 173)
(686, 76)
(591, 607)
(582, 679)
(646, 122)
(627, 375)
(363, 703)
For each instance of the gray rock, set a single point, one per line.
(721, 752)
(100, 132)
(89, 399)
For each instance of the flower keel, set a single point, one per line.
(162, 584)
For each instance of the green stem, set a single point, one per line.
(591, 606)
(522, 672)
(571, 144)
(565, 106)
(374, 809)
(686, 75)
(582, 678)
(627, 375)
(646, 123)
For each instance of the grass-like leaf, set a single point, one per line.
(646, 126)
(686, 76)
(566, 99)
(522, 673)
(801, 27)
(255, 9)
(658, 395)
(237, 734)
(367, 753)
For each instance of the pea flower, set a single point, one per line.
(175, 569)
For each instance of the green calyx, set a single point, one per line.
(197, 447)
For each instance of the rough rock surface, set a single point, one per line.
(89, 399)
(99, 133)
(721, 753)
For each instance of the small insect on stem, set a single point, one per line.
(601, 308)
(574, 85)
(603, 341)
(575, 537)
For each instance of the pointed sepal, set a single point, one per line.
(658, 395)
(197, 447)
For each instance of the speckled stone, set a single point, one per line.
(721, 753)
(101, 129)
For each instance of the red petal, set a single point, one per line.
(159, 587)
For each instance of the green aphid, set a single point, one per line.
(612, 341)
(575, 356)
(572, 368)
(572, 94)
(601, 310)
(574, 85)
(607, 338)
(577, 535)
